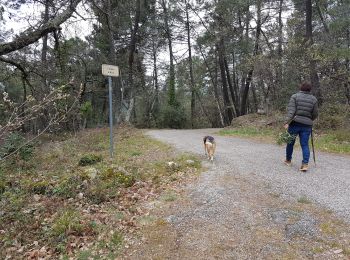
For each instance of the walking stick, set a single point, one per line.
(313, 148)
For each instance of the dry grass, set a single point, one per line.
(266, 128)
(53, 207)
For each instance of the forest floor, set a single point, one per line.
(70, 201)
(249, 205)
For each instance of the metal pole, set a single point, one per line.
(110, 117)
(313, 147)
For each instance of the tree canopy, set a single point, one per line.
(183, 63)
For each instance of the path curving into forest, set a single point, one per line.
(327, 184)
(249, 205)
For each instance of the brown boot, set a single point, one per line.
(304, 167)
(288, 162)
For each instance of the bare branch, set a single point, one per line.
(30, 36)
(21, 68)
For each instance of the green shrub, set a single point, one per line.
(332, 116)
(68, 222)
(86, 109)
(68, 188)
(105, 186)
(101, 191)
(90, 159)
(119, 178)
(174, 117)
(125, 180)
(14, 143)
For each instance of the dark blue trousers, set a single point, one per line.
(304, 134)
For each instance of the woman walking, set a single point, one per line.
(302, 110)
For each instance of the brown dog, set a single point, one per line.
(209, 146)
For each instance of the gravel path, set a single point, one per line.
(249, 205)
(327, 184)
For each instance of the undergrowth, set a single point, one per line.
(337, 141)
(67, 199)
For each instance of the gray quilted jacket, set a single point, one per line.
(302, 108)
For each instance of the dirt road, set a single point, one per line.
(249, 205)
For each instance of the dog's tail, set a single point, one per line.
(205, 139)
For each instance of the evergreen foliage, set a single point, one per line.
(182, 63)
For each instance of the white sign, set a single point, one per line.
(110, 70)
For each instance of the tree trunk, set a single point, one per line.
(59, 62)
(235, 84)
(325, 26)
(155, 106)
(44, 52)
(234, 101)
(215, 86)
(255, 99)
(108, 30)
(347, 64)
(193, 100)
(171, 90)
(23, 107)
(216, 90)
(309, 42)
(132, 48)
(228, 106)
(44, 47)
(279, 70)
(245, 92)
(132, 44)
(155, 74)
(43, 87)
(129, 111)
